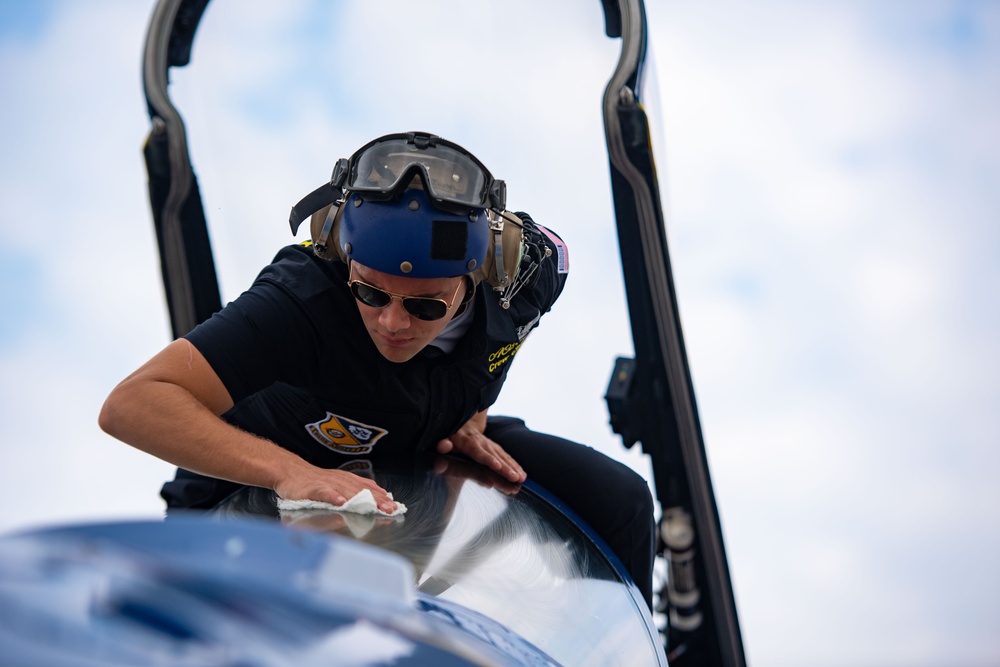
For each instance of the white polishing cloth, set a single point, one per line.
(362, 503)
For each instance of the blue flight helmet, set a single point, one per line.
(410, 204)
(407, 236)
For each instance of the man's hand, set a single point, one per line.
(466, 470)
(330, 486)
(469, 440)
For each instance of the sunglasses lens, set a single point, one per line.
(426, 309)
(370, 296)
(421, 308)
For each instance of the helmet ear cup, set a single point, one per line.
(327, 246)
(512, 242)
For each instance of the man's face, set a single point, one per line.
(398, 335)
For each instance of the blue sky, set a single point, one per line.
(831, 175)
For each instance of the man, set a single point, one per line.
(391, 333)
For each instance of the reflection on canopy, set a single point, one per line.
(510, 556)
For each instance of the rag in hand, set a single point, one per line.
(363, 502)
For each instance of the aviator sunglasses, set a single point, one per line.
(421, 307)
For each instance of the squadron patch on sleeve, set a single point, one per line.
(344, 435)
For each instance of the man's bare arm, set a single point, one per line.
(170, 408)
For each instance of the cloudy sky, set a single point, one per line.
(831, 173)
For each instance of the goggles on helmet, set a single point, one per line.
(453, 178)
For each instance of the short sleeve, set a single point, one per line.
(265, 336)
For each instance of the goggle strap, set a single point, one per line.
(324, 195)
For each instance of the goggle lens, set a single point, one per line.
(450, 174)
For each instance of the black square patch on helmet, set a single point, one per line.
(449, 239)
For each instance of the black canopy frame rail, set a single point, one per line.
(186, 259)
(650, 398)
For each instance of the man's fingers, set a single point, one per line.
(501, 462)
(337, 487)
(382, 499)
(485, 452)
